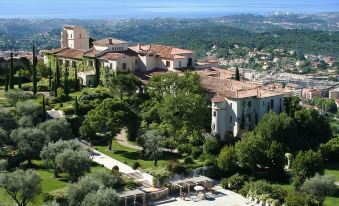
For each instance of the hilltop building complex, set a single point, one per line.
(236, 105)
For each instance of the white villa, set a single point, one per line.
(239, 105)
(236, 105)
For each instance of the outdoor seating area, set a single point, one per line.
(133, 197)
(198, 188)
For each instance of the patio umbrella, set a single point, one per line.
(198, 188)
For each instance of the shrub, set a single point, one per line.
(306, 165)
(75, 123)
(211, 146)
(196, 152)
(262, 187)
(130, 184)
(188, 160)
(175, 167)
(69, 110)
(59, 195)
(185, 148)
(330, 150)
(115, 168)
(319, 187)
(234, 183)
(61, 94)
(136, 165)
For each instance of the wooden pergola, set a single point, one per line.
(133, 194)
(189, 182)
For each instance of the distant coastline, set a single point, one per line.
(104, 9)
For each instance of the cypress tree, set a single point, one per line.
(66, 87)
(76, 79)
(34, 72)
(97, 72)
(237, 74)
(43, 107)
(50, 77)
(6, 78)
(76, 106)
(55, 86)
(19, 80)
(57, 74)
(11, 73)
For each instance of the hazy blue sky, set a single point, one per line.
(101, 9)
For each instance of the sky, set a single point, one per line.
(117, 9)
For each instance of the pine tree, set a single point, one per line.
(66, 85)
(76, 106)
(6, 78)
(34, 72)
(19, 80)
(237, 74)
(97, 72)
(11, 73)
(44, 108)
(50, 77)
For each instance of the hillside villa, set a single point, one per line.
(236, 105)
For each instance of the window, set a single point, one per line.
(231, 105)
(179, 63)
(231, 119)
(111, 65)
(74, 64)
(214, 113)
(136, 62)
(272, 103)
(249, 104)
(249, 119)
(80, 36)
(124, 66)
(168, 63)
(263, 103)
(71, 36)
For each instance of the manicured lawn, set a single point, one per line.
(129, 156)
(332, 201)
(332, 168)
(48, 183)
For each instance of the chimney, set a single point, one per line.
(139, 47)
(110, 41)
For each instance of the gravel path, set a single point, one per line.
(122, 140)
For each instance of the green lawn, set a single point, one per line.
(332, 168)
(48, 183)
(129, 155)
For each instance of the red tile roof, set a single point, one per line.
(166, 52)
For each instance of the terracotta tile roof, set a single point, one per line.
(235, 89)
(91, 53)
(109, 41)
(111, 56)
(54, 51)
(218, 99)
(166, 52)
(216, 72)
(70, 53)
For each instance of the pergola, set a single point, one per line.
(189, 182)
(133, 194)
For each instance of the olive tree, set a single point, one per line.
(102, 197)
(319, 186)
(49, 152)
(22, 186)
(153, 144)
(75, 163)
(29, 142)
(57, 129)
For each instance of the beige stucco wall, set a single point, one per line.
(76, 38)
(227, 115)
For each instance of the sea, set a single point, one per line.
(122, 9)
